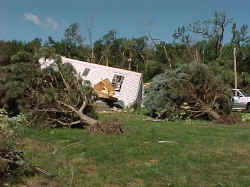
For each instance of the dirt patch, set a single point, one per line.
(29, 143)
(89, 170)
(136, 183)
(111, 185)
(110, 126)
(80, 160)
(232, 119)
(154, 162)
(36, 146)
(134, 163)
(40, 183)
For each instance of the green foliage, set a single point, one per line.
(201, 41)
(12, 131)
(13, 126)
(15, 85)
(57, 85)
(153, 68)
(25, 88)
(190, 91)
(46, 53)
(21, 56)
(72, 34)
(246, 117)
(240, 37)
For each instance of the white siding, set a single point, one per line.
(129, 89)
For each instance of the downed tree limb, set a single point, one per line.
(60, 98)
(20, 163)
(83, 117)
(4, 160)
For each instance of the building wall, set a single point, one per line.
(130, 86)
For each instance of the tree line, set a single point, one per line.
(201, 42)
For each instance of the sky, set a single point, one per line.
(29, 19)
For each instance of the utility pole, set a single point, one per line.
(235, 69)
(90, 24)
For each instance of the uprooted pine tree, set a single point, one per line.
(54, 95)
(189, 92)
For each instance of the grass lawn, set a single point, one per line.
(184, 153)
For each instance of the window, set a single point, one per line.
(85, 72)
(117, 82)
(243, 93)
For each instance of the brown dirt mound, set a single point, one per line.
(110, 126)
(232, 119)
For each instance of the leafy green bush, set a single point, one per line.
(11, 131)
(246, 117)
(14, 126)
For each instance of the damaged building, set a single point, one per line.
(109, 83)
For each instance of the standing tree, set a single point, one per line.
(213, 30)
(72, 39)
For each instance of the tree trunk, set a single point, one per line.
(87, 120)
(214, 114)
(84, 118)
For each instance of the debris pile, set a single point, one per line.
(110, 126)
(107, 100)
(104, 89)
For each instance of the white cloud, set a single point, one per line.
(33, 18)
(48, 23)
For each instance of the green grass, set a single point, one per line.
(195, 153)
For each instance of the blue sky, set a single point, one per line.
(28, 19)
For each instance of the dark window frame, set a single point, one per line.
(117, 82)
(85, 72)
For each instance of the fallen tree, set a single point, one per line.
(191, 91)
(54, 95)
(62, 97)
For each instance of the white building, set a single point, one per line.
(128, 84)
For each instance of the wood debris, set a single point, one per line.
(104, 89)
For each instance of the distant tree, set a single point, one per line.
(47, 53)
(103, 47)
(33, 46)
(4, 57)
(213, 30)
(72, 39)
(153, 68)
(140, 59)
(21, 56)
(72, 34)
(8, 49)
(240, 37)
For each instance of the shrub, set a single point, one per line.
(11, 130)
